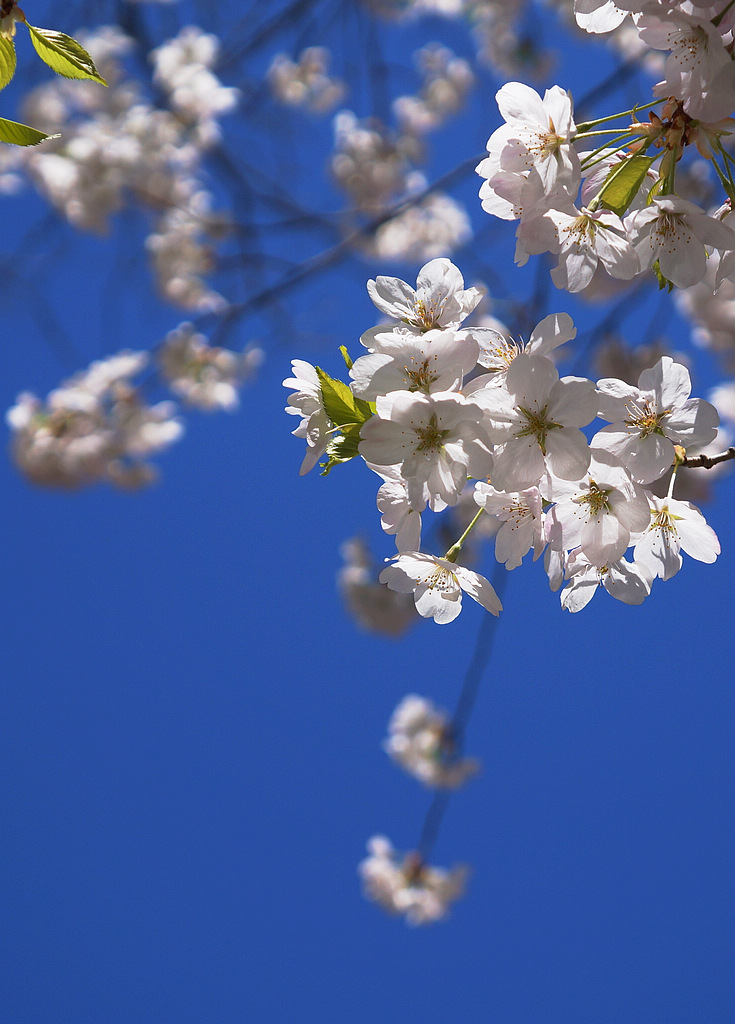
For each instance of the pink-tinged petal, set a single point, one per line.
(479, 589)
(559, 109)
(568, 454)
(604, 539)
(392, 297)
(697, 538)
(694, 425)
(685, 263)
(397, 579)
(573, 402)
(554, 330)
(613, 396)
(440, 605)
(518, 464)
(581, 590)
(530, 379)
(439, 278)
(669, 381)
(519, 102)
(625, 583)
(658, 552)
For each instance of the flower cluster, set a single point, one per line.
(305, 82)
(403, 884)
(116, 146)
(436, 407)
(420, 739)
(95, 427)
(617, 208)
(203, 375)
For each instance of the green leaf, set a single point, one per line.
(346, 356)
(7, 60)
(340, 404)
(21, 134)
(342, 448)
(623, 182)
(64, 55)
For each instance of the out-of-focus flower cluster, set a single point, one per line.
(421, 740)
(378, 167)
(372, 606)
(117, 147)
(95, 427)
(436, 407)
(205, 376)
(306, 82)
(403, 884)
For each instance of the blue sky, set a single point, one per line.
(191, 724)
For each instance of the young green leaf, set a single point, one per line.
(346, 356)
(343, 448)
(64, 55)
(21, 134)
(340, 404)
(623, 183)
(7, 60)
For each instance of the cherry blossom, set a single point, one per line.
(648, 420)
(440, 298)
(625, 581)
(315, 426)
(403, 884)
(675, 526)
(420, 740)
(437, 439)
(437, 585)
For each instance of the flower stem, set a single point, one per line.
(453, 553)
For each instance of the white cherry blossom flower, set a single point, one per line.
(537, 137)
(699, 69)
(523, 522)
(437, 439)
(434, 361)
(403, 884)
(315, 426)
(420, 740)
(599, 512)
(440, 298)
(535, 423)
(674, 232)
(623, 580)
(497, 351)
(674, 526)
(648, 420)
(583, 240)
(437, 585)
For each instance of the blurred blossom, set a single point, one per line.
(371, 164)
(373, 606)
(434, 227)
(116, 146)
(205, 376)
(403, 884)
(306, 82)
(94, 427)
(447, 79)
(420, 740)
(712, 314)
